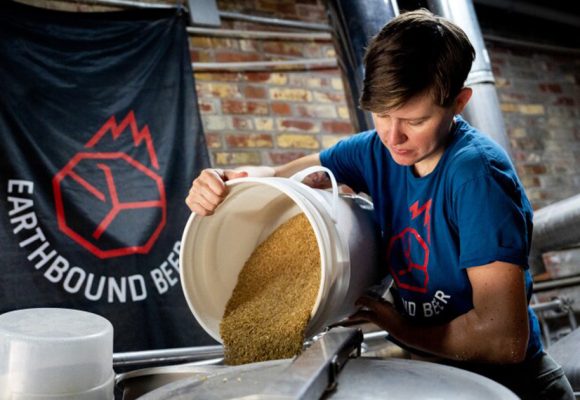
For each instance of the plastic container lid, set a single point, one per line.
(49, 352)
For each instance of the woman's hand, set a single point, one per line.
(208, 190)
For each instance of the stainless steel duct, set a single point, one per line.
(556, 227)
(355, 23)
(483, 110)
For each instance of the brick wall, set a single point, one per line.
(269, 117)
(539, 93)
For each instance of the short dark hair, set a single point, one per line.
(415, 53)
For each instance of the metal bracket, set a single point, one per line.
(316, 370)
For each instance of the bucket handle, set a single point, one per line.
(299, 176)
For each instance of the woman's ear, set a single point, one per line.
(462, 99)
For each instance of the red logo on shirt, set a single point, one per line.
(408, 252)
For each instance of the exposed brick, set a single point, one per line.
(510, 97)
(257, 76)
(277, 79)
(224, 43)
(221, 90)
(217, 76)
(565, 101)
(317, 110)
(290, 94)
(328, 51)
(253, 140)
(343, 112)
(227, 56)
(337, 84)
(530, 181)
(498, 61)
(213, 140)
(311, 12)
(337, 127)
(283, 157)
(255, 92)
(279, 108)
(313, 50)
(223, 158)
(284, 48)
(248, 45)
(534, 169)
(571, 78)
(328, 97)
(207, 106)
(288, 140)
(242, 123)
(531, 109)
(296, 125)
(517, 132)
(264, 124)
(284, 7)
(331, 140)
(194, 56)
(214, 122)
(200, 41)
(550, 87)
(563, 112)
(501, 82)
(244, 107)
(266, 77)
(528, 144)
(311, 81)
(509, 107)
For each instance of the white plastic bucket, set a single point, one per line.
(214, 249)
(55, 353)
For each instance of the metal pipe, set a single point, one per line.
(355, 23)
(560, 283)
(259, 34)
(276, 21)
(128, 3)
(375, 335)
(316, 63)
(483, 110)
(555, 304)
(555, 227)
(184, 354)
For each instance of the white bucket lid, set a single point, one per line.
(54, 351)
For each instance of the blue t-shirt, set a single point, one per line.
(470, 210)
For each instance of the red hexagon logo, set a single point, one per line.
(108, 202)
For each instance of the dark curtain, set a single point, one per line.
(100, 140)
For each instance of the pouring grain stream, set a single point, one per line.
(270, 307)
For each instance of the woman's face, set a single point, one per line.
(416, 133)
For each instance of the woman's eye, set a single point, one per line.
(416, 123)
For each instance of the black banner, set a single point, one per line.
(100, 140)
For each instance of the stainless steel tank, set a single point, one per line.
(330, 369)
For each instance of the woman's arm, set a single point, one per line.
(496, 330)
(208, 190)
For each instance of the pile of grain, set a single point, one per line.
(266, 317)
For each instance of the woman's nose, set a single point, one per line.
(394, 134)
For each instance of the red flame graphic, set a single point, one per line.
(116, 130)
